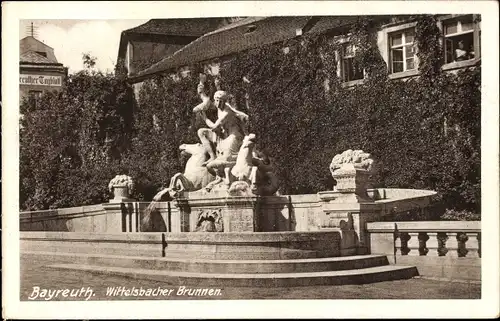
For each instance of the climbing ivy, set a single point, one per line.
(429, 47)
(363, 37)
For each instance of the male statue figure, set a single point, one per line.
(227, 133)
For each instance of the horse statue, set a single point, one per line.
(195, 176)
(253, 170)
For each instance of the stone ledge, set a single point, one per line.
(425, 226)
(59, 216)
(215, 237)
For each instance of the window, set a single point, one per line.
(129, 57)
(402, 51)
(42, 53)
(250, 29)
(459, 39)
(350, 68)
(35, 94)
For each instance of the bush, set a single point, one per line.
(463, 215)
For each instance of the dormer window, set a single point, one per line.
(250, 29)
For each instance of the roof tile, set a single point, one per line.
(242, 35)
(179, 27)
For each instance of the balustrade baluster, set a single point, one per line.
(472, 245)
(413, 244)
(404, 237)
(441, 238)
(479, 241)
(397, 243)
(462, 240)
(423, 238)
(432, 244)
(452, 244)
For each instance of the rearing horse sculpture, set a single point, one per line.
(254, 168)
(195, 176)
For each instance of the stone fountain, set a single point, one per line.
(221, 223)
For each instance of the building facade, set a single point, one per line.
(149, 43)
(39, 70)
(394, 36)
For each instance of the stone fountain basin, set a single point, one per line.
(200, 245)
(400, 200)
(383, 200)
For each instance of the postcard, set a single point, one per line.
(219, 159)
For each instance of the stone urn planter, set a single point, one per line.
(122, 187)
(352, 171)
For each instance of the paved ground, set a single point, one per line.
(36, 273)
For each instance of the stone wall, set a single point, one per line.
(91, 218)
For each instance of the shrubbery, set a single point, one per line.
(424, 132)
(71, 141)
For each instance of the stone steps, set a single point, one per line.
(221, 280)
(217, 266)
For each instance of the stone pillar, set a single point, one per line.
(115, 217)
(382, 240)
(349, 207)
(121, 217)
(184, 215)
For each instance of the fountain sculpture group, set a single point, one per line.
(225, 161)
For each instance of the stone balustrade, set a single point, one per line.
(441, 238)
(450, 249)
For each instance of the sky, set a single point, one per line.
(71, 38)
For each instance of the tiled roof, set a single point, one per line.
(35, 58)
(31, 38)
(328, 23)
(178, 27)
(239, 36)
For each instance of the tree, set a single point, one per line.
(89, 61)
